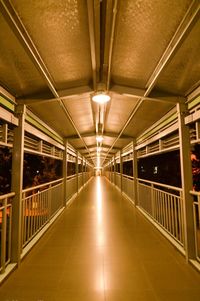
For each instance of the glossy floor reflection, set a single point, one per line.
(101, 248)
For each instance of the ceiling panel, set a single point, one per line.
(183, 72)
(59, 30)
(143, 31)
(17, 72)
(146, 115)
(53, 114)
(81, 112)
(119, 111)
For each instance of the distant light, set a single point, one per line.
(99, 138)
(101, 98)
(98, 149)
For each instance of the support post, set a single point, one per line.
(114, 169)
(82, 171)
(186, 177)
(121, 169)
(135, 174)
(17, 185)
(77, 188)
(65, 173)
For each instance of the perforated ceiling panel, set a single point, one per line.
(143, 31)
(59, 30)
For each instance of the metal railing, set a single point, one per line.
(196, 212)
(5, 229)
(118, 180)
(39, 205)
(127, 186)
(80, 180)
(71, 186)
(113, 177)
(164, 204)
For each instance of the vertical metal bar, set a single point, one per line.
(23, 220)
(65, 173)
(152, 200)
(3, 234)
(77, 187)
(114, 169)
(135, 174)
(167, 212)
(121, 169)
(172, 213)
(176, 216)
(5, 133)
(49, 201)
(195, 227)
(9, 233)
(186, 176)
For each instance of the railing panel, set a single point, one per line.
(144, 197)
(56, 198)
(127, 186)
(80, 181)
(39, 204)
(71, 186)
(5, 229)
(118, 180)
(164, 204)
(196, 211)
(168, 213)
(113, 177)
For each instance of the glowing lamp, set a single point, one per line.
(101, 98)
(99, 138)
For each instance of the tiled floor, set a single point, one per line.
(101, 248)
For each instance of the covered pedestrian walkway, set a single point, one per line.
(102, 248)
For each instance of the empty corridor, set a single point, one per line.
(102, 248)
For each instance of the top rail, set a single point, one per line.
(8, 195)
(129, 177)
(72, 176)
(42, 185)
(197, 193)
(161, 185)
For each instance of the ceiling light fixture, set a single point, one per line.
(101, 97)
(99, 138)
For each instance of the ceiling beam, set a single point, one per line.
(94, 146)
(111, 44)
(93, 134)
(138, 93)
(78, 92)
(21, 33)
(92, 34)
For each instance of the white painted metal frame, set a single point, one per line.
(5, 229)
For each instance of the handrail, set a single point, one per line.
(72, 176)
(8, 195)
(129, 177)
(161, 185)
(197, 193)
(42, 185)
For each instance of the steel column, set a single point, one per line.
(135, 174)
(65, 173)
(17, 184)
(186, 176)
